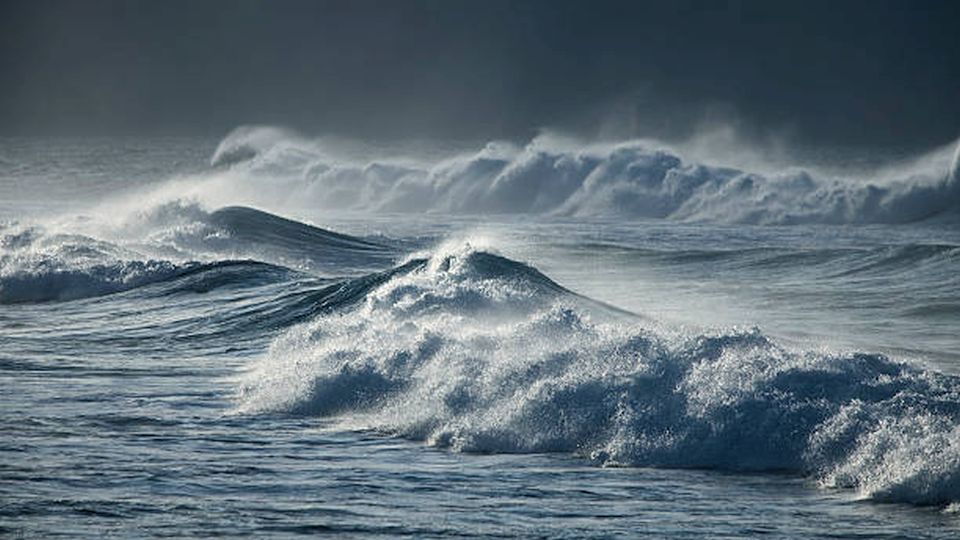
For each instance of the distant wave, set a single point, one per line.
(632, 179)
(475, 352)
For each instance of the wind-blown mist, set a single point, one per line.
(629, 179)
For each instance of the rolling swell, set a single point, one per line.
(918, 262)
(253, 231)
(282, 301)
(471, 351)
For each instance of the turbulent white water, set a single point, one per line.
(479, 353)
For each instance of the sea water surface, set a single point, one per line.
(268, 336)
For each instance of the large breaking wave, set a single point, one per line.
(633, 179)
(475, 352)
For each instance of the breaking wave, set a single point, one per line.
(170, 242)
(632, 179)
(472, 351)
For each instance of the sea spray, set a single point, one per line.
(625, 179)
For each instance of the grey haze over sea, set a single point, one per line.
(271, 335)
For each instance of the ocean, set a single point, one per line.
(274, 336)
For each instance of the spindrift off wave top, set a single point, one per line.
(553, 176)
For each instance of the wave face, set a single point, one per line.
(474, 352)
(632, 179)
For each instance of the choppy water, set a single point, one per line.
(175, 362)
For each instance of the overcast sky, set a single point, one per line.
(861, 73)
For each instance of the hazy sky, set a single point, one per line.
(864, 73)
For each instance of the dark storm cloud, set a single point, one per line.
(860, 73)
